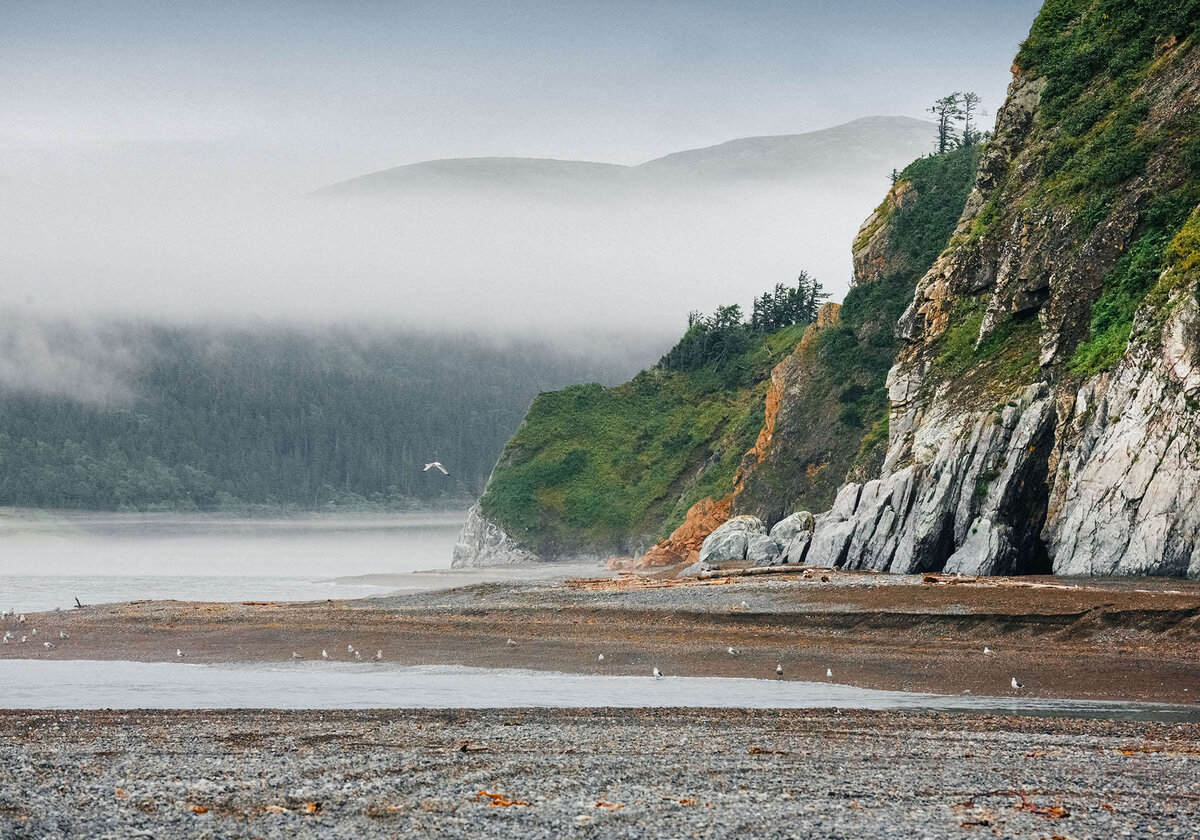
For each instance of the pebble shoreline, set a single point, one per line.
(591, 773)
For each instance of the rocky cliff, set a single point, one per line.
(1044, 405)
(1042, 392)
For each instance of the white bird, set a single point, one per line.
(987, 651)
(35, 631)
(657, 674)
(349, 648)
(378, 657)
(1016, 685)
(435, 465)
(21, 620)
(4, 641)
(24, 639)
(48, 645)
(63, 635)
(733, 651)
(745, 605)
(295, 655)
(358, 656)
(779, 670)
(600, 658)
(828, 672)
(511, 643)
(179, 652)
(324, 653)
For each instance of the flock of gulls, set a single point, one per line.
(356, 655)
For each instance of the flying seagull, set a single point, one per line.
(435, 465)
(1016, 685)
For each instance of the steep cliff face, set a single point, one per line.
(827, 409)
(1043, 407)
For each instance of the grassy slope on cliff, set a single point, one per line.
(594, 468)
(1096, 56)
(835, 422)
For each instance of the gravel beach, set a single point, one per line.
(598, 773)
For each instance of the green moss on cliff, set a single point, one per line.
(593, 468)
(1105, 63)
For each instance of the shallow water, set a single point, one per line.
(48, 560)
(82, 684)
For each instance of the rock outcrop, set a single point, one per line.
(1012, 385)
(485, 543)
(685, 542)
(1008, 451)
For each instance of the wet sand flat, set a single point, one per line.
(1119, 640)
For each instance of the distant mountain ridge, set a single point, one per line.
(861, 147)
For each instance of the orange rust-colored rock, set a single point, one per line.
(827, 316)
(683, 546)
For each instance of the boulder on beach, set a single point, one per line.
(730, 542)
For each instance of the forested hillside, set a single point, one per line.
(285, 417)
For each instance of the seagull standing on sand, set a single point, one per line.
(179, 652)
(657, 674)
(829, 672)
(357, 656)
(4, 641)
(295, 655)
(24, 639)
(733, 651)
(600, 658)
(779, 670)
(349, 648)
(324, 653)
(48, 645)
(35, 631)
(987, 651)
(1016, 685)
(21, 620)
(378, 657)
(435, 465)
(511, 643)
(63, 635)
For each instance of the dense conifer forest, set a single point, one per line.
(225, 419)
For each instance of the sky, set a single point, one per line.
(136, 136)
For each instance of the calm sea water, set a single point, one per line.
(325, 685)
(48, 560)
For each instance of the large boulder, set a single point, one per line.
(788, 529)
(762, 550)
(730, 542)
